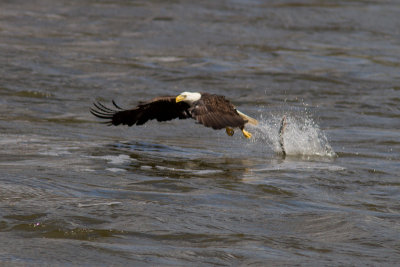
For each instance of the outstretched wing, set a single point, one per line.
(160, 108)
(216, 112)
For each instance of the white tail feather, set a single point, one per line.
(249, 119)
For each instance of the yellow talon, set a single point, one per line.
(246, 133)
(229, 131)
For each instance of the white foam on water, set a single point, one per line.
(198, 172)
(166, 59)
(80, 205)
(112, 159)
(300, 166)
(55, 151)
(146, 167)
(301, 136)
(115, 170)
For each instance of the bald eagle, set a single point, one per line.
(208, 109)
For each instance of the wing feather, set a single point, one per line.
(160, 108)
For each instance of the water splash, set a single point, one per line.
(301, 136)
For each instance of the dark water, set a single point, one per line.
(76, 192)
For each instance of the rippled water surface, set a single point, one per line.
(76, 192)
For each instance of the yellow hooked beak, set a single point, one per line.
(180, 98)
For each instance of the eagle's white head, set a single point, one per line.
(188, 97)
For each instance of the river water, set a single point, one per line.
(74, 192)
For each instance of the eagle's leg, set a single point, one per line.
(229, 131)
(245, 133)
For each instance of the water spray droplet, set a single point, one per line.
(301, 136)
